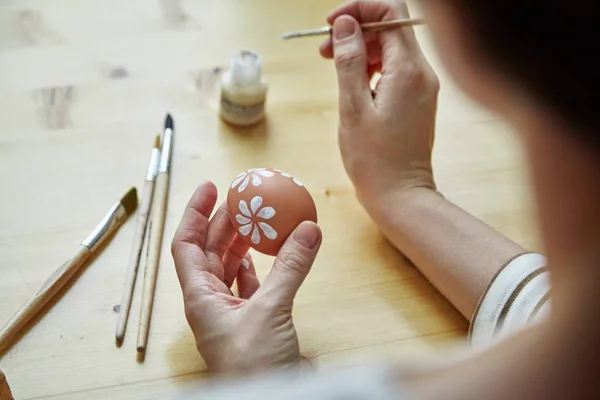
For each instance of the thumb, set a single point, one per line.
(351, 61)
(292, 265)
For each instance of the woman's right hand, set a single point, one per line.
(386, 135)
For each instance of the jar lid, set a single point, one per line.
(246, 67)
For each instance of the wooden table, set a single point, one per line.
(84, 87)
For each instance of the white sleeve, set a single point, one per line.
(518, 295)
(367, 382)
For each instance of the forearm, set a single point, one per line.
(457, 253)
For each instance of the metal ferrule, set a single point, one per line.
(111, 221)
(325, 30)
(312, 32)
(153, 164)
(165, 152)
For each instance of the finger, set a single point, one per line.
(292, 265)
(375, 11)
(219, 237)
(371, 39)
(398, 43)
(326, 49)
(247, 282)
(193, 226)
(190, 235)
(362, 10)
(351, 64)
(233, 259)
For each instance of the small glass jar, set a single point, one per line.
(243, 90)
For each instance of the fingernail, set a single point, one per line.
(307, 235)
(343, 27)
(245, 263)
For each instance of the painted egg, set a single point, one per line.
(265, 207)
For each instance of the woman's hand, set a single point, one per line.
(252, 331)
(386, 135)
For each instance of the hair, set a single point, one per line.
(549, 48)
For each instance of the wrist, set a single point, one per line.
(243, 363)
(299, 369)
(380, 205)
(384, 209)
(375, 187)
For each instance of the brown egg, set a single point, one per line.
(266, 206)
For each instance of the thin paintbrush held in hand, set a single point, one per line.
(367, 27)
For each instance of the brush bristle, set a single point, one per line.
(169, 122)
(157, 142)
(130, 201)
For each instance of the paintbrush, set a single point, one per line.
(115, 217)
(5, 393)
(138, 240)
(155, 238)
(367, 27)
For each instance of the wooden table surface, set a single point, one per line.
(84, 87)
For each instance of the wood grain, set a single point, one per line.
(131, 61)
(134, 259)
(155, 244)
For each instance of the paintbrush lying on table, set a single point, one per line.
(113, 220)
(138, 240)
(158, 214)
(367, 27)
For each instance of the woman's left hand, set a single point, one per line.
(252, 331)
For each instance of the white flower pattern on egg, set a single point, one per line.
(253, 175)
(286, 175)
(248, 220)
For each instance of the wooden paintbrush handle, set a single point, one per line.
(383, 25)
(48, 290)
(5, 393)
(155, 238)
(134, 259)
